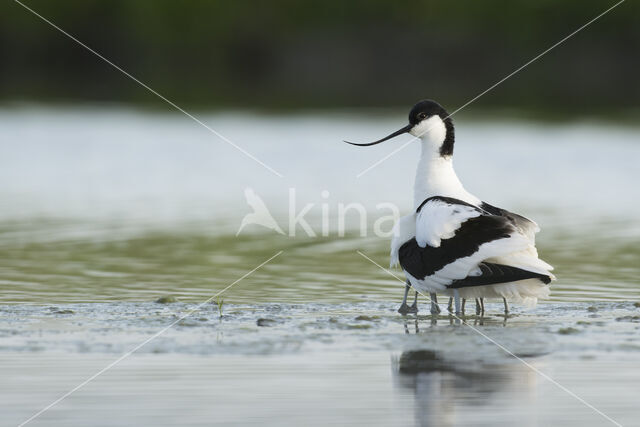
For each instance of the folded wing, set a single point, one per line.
(456, 241)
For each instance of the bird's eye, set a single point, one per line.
(422, 116)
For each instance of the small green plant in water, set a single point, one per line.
(219, 303)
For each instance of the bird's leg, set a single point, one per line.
(450, 305)
(506, 306)
(456, 300)
(404, 308)
(435, 308)
(479, 306)
(414, 306)
(464, 301)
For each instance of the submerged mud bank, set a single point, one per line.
(569, 330)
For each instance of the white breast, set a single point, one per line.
(403, 231)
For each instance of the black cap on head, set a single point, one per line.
(425, 109)
(428, 108)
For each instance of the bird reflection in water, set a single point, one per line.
(453, 320)
(440, 386)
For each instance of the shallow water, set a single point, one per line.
(350, 363)
(104, 211)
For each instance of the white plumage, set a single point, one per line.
(438, 220)
(454, 243)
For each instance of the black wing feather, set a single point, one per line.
(517, 220)
(422, 262)
(497, 273)
(494, 224)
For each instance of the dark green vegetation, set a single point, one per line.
(291, 54)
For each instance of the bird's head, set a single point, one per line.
(429, 122)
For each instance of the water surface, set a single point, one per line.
(102, 212)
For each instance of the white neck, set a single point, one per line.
(435, 175)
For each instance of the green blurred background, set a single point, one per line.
(301, 55)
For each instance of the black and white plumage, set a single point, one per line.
(449, 244)
(454, 243)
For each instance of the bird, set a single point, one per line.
(260, 215)
(453, 242)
